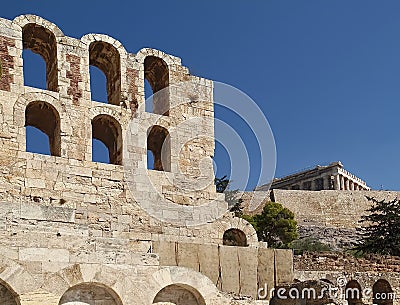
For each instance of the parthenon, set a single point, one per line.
(329, 177)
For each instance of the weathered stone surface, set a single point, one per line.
(78, 231)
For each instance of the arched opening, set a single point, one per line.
(157, 74)
(382, 293)
(159, 143)
(235, 237)
(45, 118)
(106, 57)
(41, 41)
(7, 296)
(107, 130)
(90, 294)
(179, 294)
(353, 293)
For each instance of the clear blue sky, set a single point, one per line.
(325, 73)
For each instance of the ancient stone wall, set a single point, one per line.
(328, 215)
(372, 274)
(239, 270)
(77, 231)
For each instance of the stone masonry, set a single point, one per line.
(74, 231)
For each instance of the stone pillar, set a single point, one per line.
(347, 185)
(337, 182)
(342, 183)
(351, 185)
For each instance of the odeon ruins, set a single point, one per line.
(74, 231)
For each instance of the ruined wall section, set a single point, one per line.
(239, 270)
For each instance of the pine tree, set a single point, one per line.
(381, 233)
(275, 225)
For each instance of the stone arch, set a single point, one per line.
(23, 20)
(169, 59)
(42, 41)
(107, 129)
(16, 279)
(46, 99)
(179, 294)
(382, 293)
(353, 293)
(156, 72)
(234, 237)
(164, 62)
(90, 293)
(109, 55)
(185, 282)
(229, 222)
(7, 295)
(159, 143)
(45, 117)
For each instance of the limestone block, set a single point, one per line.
(43, 254)
(284, 266)
(229, 264)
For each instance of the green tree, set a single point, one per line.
(275, 225)
(381, 232)
(232, 197)
(309, 244)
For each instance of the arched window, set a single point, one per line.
(179, 294)
(7, 296)
(235, 237)
(107, 130)
(106, 57)
(41, 41)
(90, 293)
(353, 293)
(157, 75)
(159, 143)
(45, 118)
(382, 293)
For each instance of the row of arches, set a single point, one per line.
(382, 292)
(40, 50)
(43, 135)
(95, 294)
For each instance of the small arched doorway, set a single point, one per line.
(235, 237)
(382, 293)
(90, 294)
(353, 293)
(179, 294)
(7, 296)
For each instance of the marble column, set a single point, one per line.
(347, 184)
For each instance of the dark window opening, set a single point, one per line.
(382, 293)
(157, 74)
(159, 143)
(45, 118)
(235, 237)
(179, 294)
(107, 130)
(41, 41)
(353, 294)
(106, 57)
